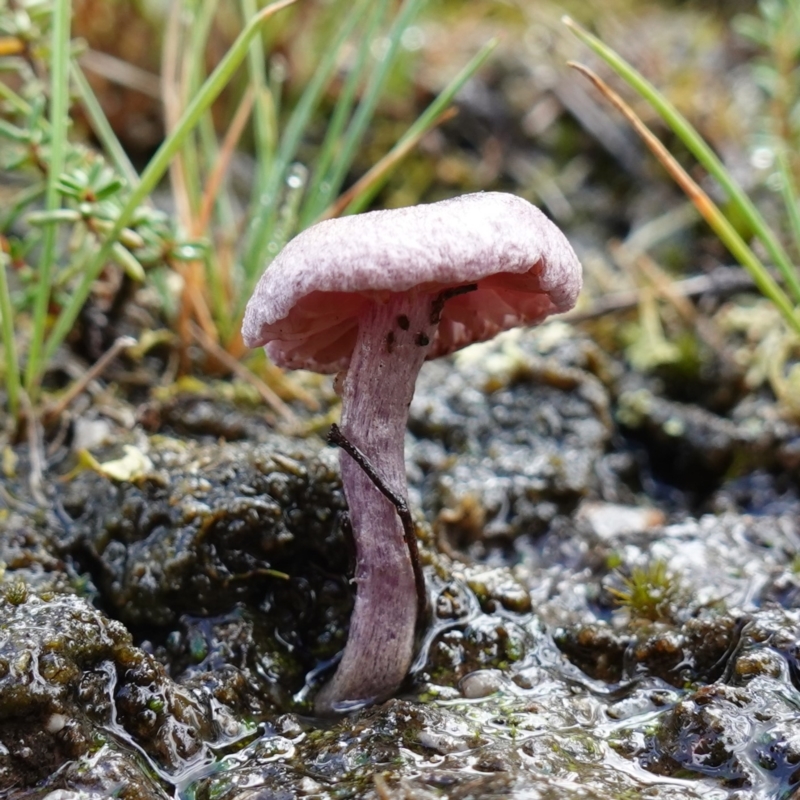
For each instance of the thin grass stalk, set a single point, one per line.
(218, 203)
(213, 287)
(219, 290)
(194, 65)
(366, 108)
(272, 96)
(288, 213)
(238, 369)
(187, 71)
(9, 343)
(191, 76)
(358, 196)
(101, 127)
(263, 128)
(55, 410)
(19, 104)
(194, 298)
(225, 154)
(702, 152)
(207, 134)
(223, 206)
(158, 165)
(265, 211)
(433, 116)
(59, 108)
(319, 194)
(710, 212)
(172, 105)
(790, 196)
(210, 148)
(20, 204)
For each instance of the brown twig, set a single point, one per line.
(55, 410)
(438, 302)
(721, 281)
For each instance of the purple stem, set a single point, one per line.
(393, 339)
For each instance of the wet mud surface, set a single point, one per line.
(593, 630)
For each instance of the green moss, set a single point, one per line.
(651, 592)
(15, 591)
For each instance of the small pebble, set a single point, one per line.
(480, 683)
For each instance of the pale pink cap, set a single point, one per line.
(306, 306)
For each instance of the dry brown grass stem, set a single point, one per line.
(701, 200)
(193, 305)
(224, 157)
(55, 410)
(122, 73)
(173, 107)
(219, 353)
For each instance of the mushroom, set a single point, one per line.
(371, 297)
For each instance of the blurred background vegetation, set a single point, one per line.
(155, 156)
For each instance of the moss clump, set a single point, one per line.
(651, 592)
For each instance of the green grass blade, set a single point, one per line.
(707, 208)
(158, 165)
(744, 254)
(19, 104)
(287, 216)
(192, 75)
(320, 192)
(21, 201)
(102, 128)
(698, 147)
(263, 220)
(790, 197)
(263, 122)
(210, 148)
(369, 101)
(9, 344)
(427, 119)
(59, 109)
(206, 130)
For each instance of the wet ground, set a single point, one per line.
(610, 528)
(594, 631)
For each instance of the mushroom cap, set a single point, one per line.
(306, 307)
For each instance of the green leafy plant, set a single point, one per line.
(77, 212)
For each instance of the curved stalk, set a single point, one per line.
(393, 340)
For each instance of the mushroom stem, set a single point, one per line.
(337, 438)
(394, 335)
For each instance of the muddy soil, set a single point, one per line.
(593, 629)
